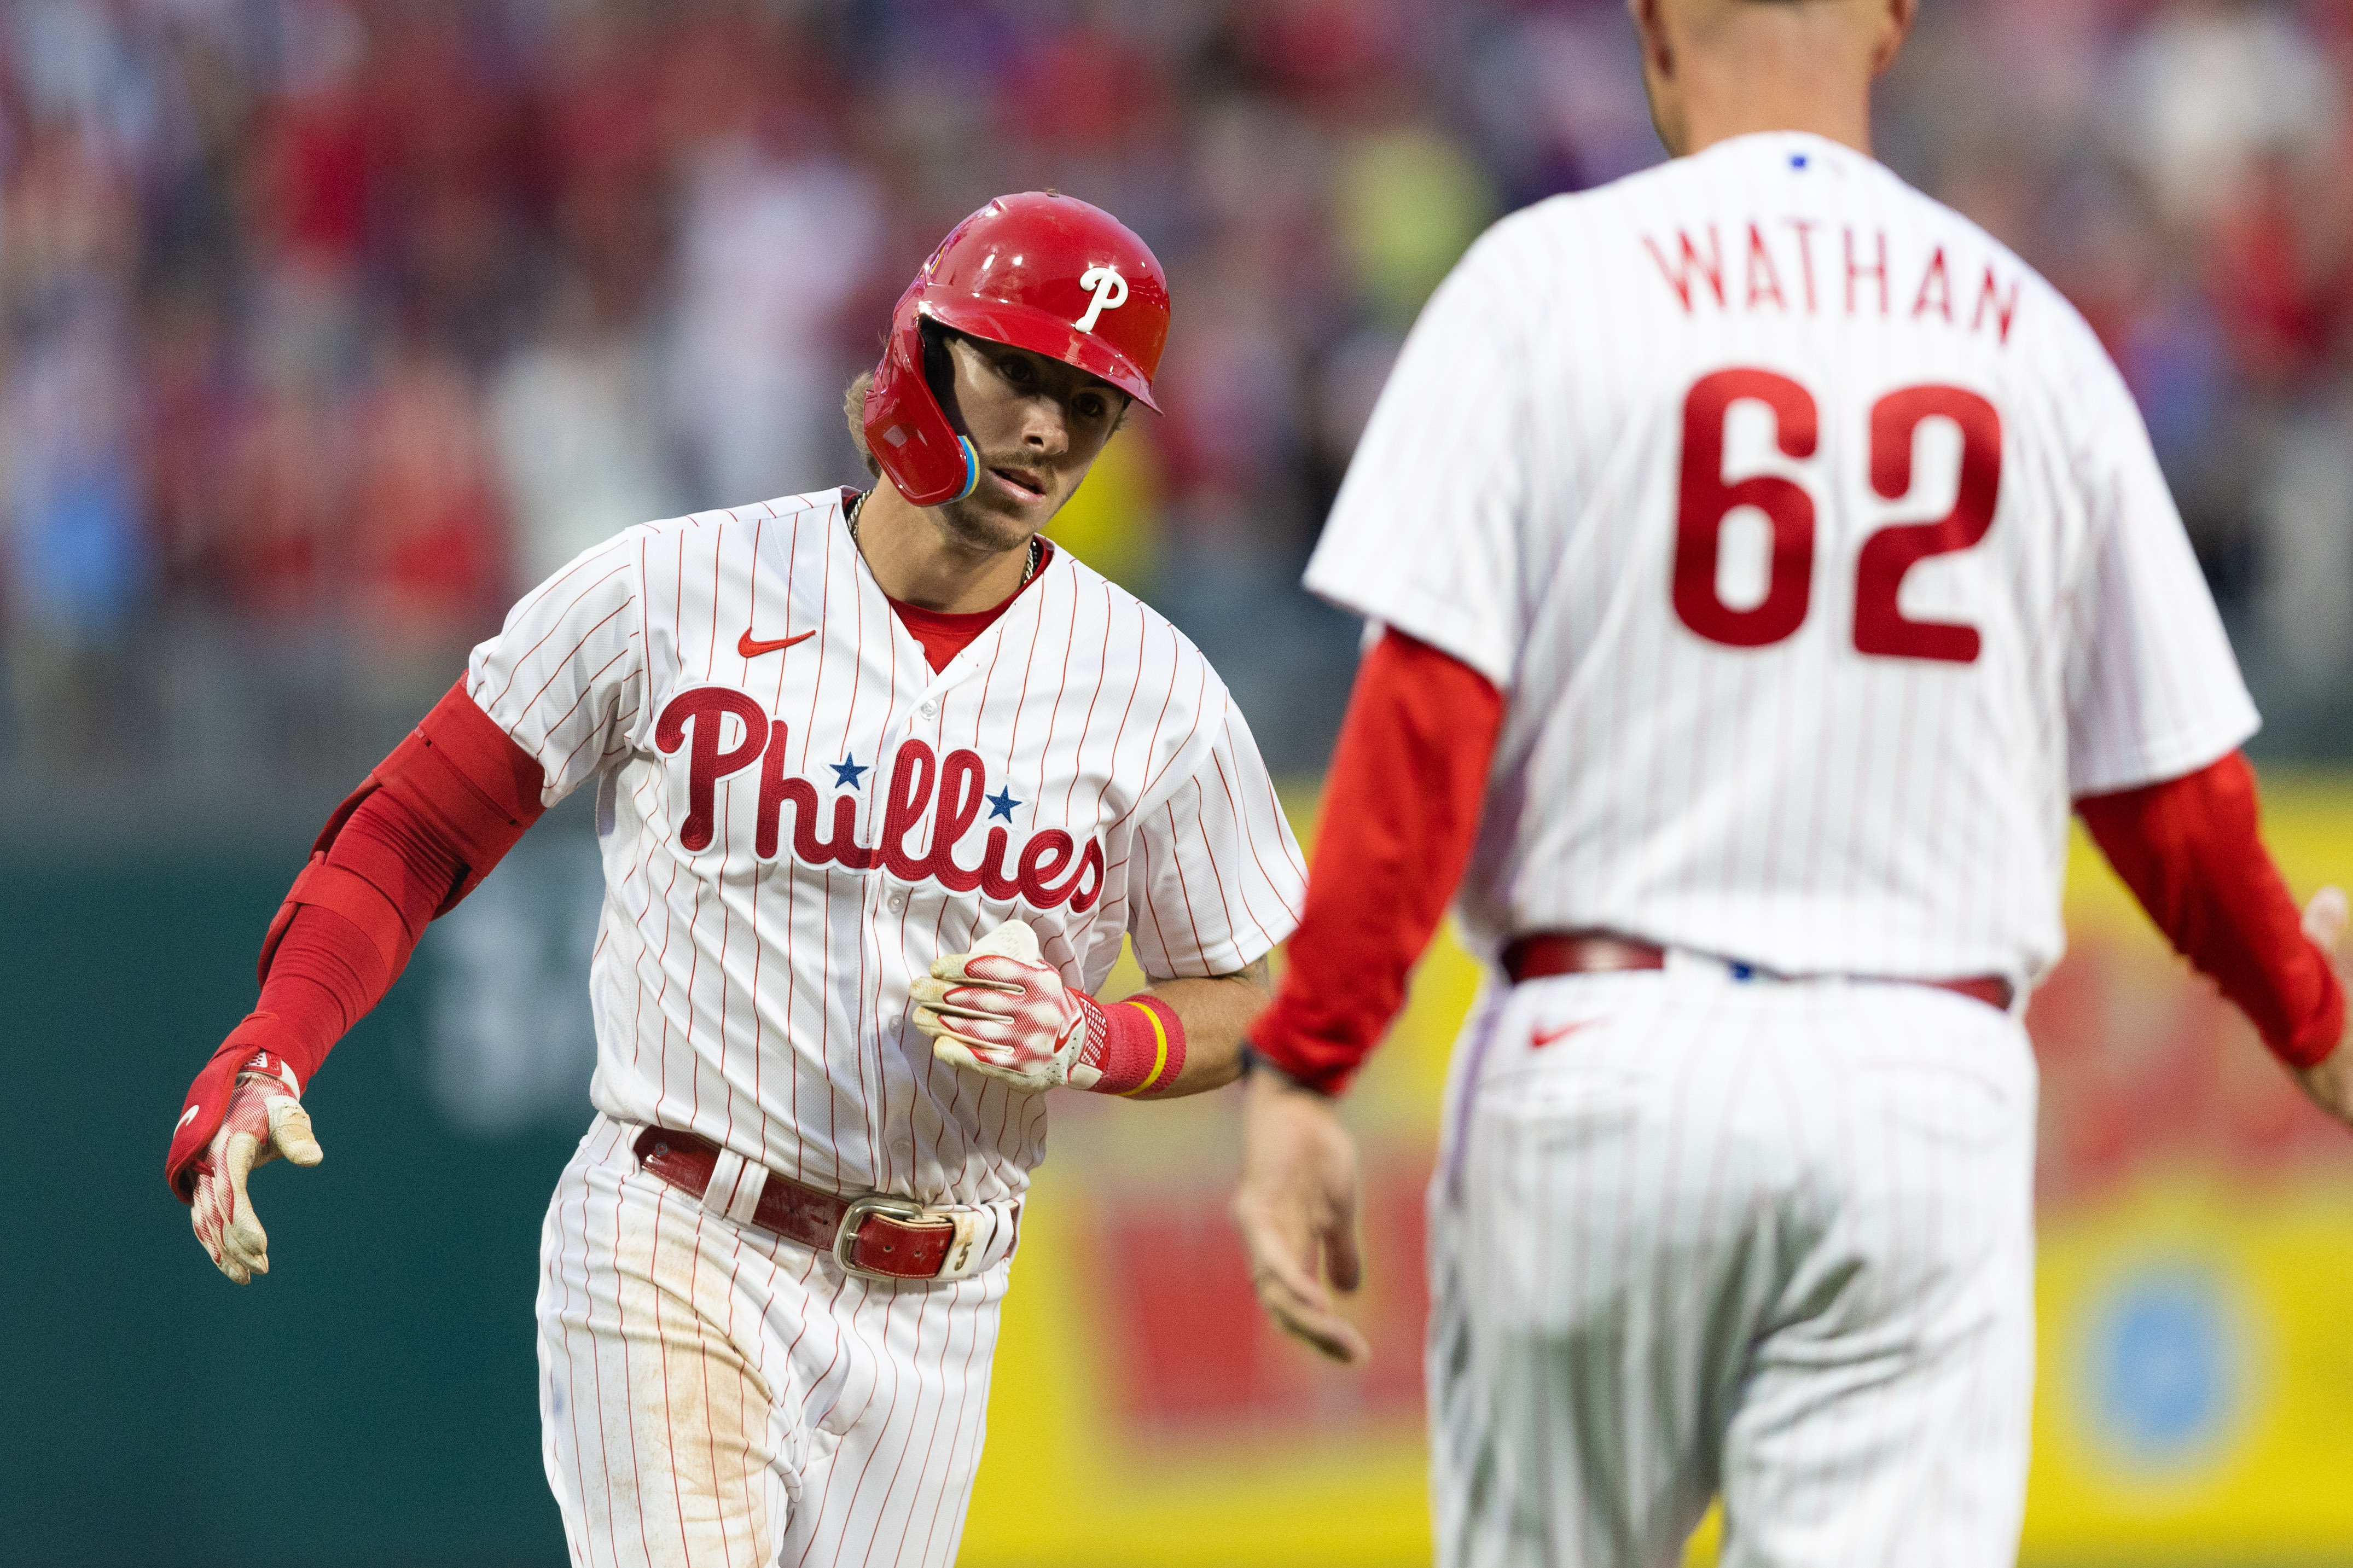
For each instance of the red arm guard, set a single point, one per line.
(1401, 812)
(466, 781)
(2189, 851)
(427, 826)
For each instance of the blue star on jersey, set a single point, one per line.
(1002, 802)
(846, 772)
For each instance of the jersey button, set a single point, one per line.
(928, 709)
(897, 901)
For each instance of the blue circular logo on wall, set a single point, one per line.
(2166, 1367)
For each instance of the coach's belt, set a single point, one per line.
(1544, 952)
(875, 1235)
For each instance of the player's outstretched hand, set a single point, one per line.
(1296, 1209)
(2329, 1081)
(264, 1120)
(1000, 1010)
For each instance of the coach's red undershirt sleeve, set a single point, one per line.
(2190, 851)
(1401, 812)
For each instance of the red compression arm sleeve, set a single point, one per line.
(327, 973)
(430, 822)
(2189, 851)
(1400, 812)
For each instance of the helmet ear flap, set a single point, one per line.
(939, 365)
(906, 429)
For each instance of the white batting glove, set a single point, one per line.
(999, 1010)
(264, 1120)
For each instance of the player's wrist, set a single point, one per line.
(1251, 1064)
(1258, 1066)
(256, 1048)
(1135, 1046)
(2329, 1027)
(270, 1047)
(272, 1070)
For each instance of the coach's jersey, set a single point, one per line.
(798, 816)
(1820, 550)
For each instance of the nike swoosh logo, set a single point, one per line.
(187, 1116)
(752, 648)
(1543, 1037)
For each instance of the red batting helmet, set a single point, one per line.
(1041, 272)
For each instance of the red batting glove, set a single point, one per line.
(1000, 1010)
(245, 1110)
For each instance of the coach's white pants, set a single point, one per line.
(714, 1396)
(1770, 1240)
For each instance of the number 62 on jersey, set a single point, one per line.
(1706, 498)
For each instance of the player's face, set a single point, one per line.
(1038, 425)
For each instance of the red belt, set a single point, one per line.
(875, 1234)
(1544, 952)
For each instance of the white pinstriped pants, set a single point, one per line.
(717, 1397)
(1771, 1240)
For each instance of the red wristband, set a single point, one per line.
(1137, 1046)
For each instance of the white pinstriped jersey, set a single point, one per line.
(797, 814)
(1822, 553)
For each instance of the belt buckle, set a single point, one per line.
(845, 1237)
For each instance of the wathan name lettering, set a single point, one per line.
(1794, 265)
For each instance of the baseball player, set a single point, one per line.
(881, 782)
(1761, 560)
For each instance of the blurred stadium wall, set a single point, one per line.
(328, 325)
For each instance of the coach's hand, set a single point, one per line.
(1296, 1209)
(2329, 1081)
(264, 1120)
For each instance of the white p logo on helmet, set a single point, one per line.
(1110, 293)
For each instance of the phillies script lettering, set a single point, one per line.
(1050, 870)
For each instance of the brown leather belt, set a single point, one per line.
(1544, 952)
(875, 1234)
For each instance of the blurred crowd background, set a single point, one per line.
(328, 326)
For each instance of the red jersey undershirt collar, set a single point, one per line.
(943, 636)
(946, 636)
